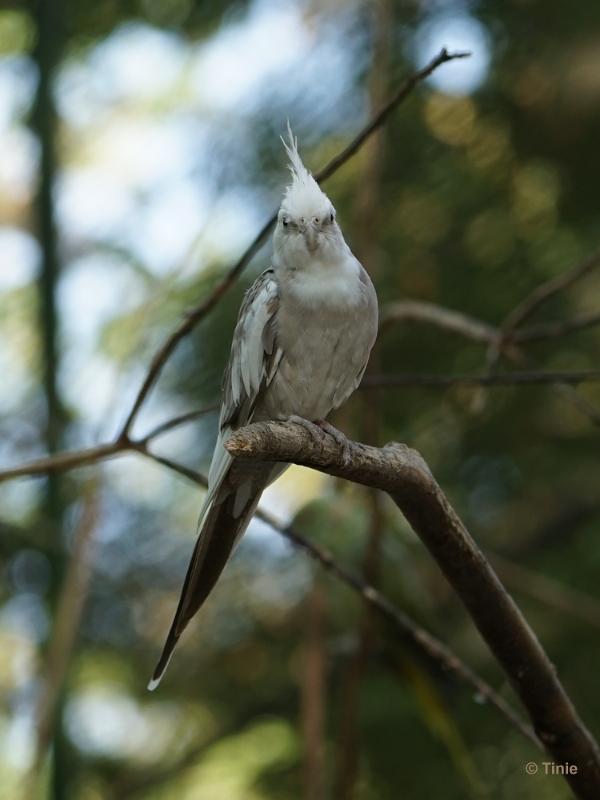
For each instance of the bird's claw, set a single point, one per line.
(339, 438)
(316, 430)
(313, 429)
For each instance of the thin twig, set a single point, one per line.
(62, 462)
(479, 331)
(545, 291)
(497, 379)
(533, 301)
(553, 330)
(405, 476)
(176, 422)
(199, 312)
(445, 318)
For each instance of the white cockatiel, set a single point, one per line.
(300, 347)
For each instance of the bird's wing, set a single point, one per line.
(253, 362)
(228, 508)
(255, 355)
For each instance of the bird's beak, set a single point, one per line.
(311, 237)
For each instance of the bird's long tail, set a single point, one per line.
(221, 526)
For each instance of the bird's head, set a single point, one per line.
(306, 232)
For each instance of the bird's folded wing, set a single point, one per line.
(228, 508)
(252, 364)
(255, 354)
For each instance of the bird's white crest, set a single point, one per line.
(303, 197)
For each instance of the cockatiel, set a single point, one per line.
(300, 347)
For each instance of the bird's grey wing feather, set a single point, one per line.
(252, 365)
(231, 500)
(254, 353)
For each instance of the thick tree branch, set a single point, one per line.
(198, 313)
(406, 477)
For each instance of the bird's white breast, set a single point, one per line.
(324, 286)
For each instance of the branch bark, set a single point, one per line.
(405, 476)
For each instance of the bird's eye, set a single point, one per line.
(331, 217)
(284, 222)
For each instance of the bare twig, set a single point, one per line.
(533, 301)
(479, 331)
(176, 422)
(406, 477)
(446, 318)
(553, 330)
(545, 291)
(199, 312)
(62, 462)
(495, 379)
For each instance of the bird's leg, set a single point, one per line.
(338, 437)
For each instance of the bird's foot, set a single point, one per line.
(313, 428)
(338, 437)
(318, 427)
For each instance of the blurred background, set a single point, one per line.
(140, 154)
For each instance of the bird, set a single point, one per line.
(300, 347)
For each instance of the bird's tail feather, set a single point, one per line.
(220, 529)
